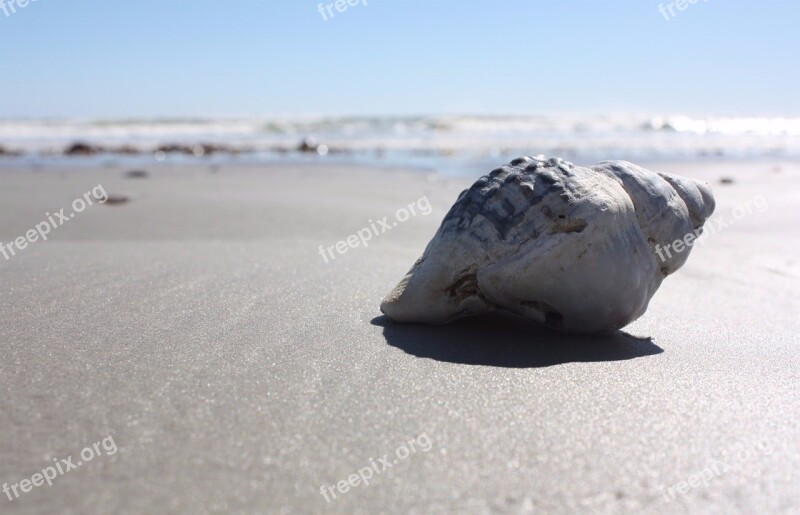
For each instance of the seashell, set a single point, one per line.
(570, 247)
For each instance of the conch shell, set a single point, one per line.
(577, 249)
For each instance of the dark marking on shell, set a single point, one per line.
(464, 287)
(576, 225)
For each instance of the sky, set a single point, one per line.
(226, 58)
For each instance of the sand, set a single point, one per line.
(235, 370)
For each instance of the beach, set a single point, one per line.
(195, 321)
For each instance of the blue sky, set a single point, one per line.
(184, 58)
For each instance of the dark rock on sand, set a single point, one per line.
(81, 149)
(175, 148)
(114, 200)
(308, 145)
(137, 174)
(127, 150)
(726, 180)
(206, 149)
(9, 153)
(203, 149)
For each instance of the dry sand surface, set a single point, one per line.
(198, 325)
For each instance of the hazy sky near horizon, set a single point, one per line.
(195, 58)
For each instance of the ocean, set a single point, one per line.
(439, 142)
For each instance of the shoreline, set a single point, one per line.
(445, 167)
